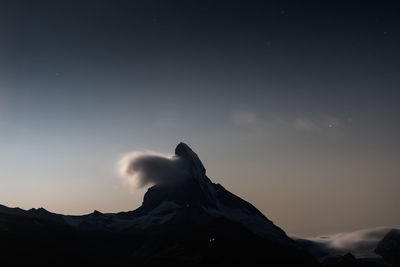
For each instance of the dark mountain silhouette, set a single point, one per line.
(389, 247)
(192, 222)
(348, 260)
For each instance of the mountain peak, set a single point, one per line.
(182, 150)
(196, 169)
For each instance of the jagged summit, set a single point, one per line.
(181, 205)
(197, 171)
(184, 151)
(199, 199)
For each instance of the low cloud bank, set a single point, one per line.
(144, 168)
(360, 243)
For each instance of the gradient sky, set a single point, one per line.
(292, 105)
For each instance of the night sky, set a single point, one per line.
(292, 105)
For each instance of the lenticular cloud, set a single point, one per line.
(144, 168)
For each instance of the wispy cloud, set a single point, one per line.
(318, 124)
(247, 119)
(306, 125)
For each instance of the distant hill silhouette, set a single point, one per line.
(389, 247)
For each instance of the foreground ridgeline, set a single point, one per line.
(187, 222)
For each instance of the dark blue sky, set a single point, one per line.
(293, 105)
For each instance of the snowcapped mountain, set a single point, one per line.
(193, 201)
(187, 222)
